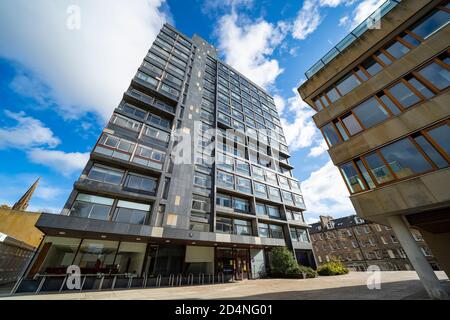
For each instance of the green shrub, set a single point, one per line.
(284, 265)
(332, 268)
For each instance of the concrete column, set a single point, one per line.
(418, 260)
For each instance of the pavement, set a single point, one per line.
(394, 285)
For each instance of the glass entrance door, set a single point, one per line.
(242, 263)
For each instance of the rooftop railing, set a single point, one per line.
(367, 24)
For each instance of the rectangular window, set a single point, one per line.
(131, 212)
(348, 84)
(431, 152)
(440, 136)
(92, 207)
(242, 227)
(260, 190)
(403, 94)
(352, 178)
(263, 230)
(330, 134)
(261, 209)
(372, 66)
(243, 185)
(241, 205)
(146, 184)
(105, 174)
(223, 200)
(225, 180)
(351, 124)
(437, 75)
(274, 212)
(378, 168)
(431, 23)
(242, 167)
(274, 194)
(370, 113)
(124, 122)
(405, 159)
(276, 231)
(397, 49)
(287, 197)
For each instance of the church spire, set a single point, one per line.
(24, 201)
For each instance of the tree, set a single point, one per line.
(282, 261)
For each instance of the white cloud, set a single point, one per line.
(325, 193)
(362, 11)
(279, 103)
(319, 149)
(85, 70)
(27, 133)
(247, 46)
(298, 127)
(307, 21)
(211, 5)
(62, 162)
(343, 21)
(309, 16)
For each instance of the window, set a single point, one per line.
(331, 134)
(365, 174)
(378, 168)
(241, 205)
(225, 162)
(243, 185)
(263, 230)
(92, 207)
(441, 136)
(371, 66)
(404, 95)
(131, 212)
(270, 177)
(115, 147)
(348, 84)
(287, 197)
(299, 235)
(223, 200)
(405, 159)
(150, 80)
(124, 122)
(397, 49)
(104, 174)
(370, 113)
(438, 75)
(159, 121)
(242, 227)
(224, 225)
(284, 182)
(352, 177)
(389, 104)
(351, 124)
(129, 109)
(431, 151)
(146, 184)
(298, 200)
(333, 95)
(276, 231)
(242, 167)
(156, 134)
(149, 157)
(202, 180)
(431, 23)
(274, 212)
(260, 190)
(200, 203)
(427, 93)
(274, 193)
(261, 209)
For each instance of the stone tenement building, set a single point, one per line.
(359, 243)
(382, 101)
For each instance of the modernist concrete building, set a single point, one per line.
(190, 176)
(383, 106)
(359, 244)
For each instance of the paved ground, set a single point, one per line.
(394, 285)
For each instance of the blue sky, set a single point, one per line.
(60, 83)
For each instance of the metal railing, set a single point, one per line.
(375, 17)
(58, 283)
